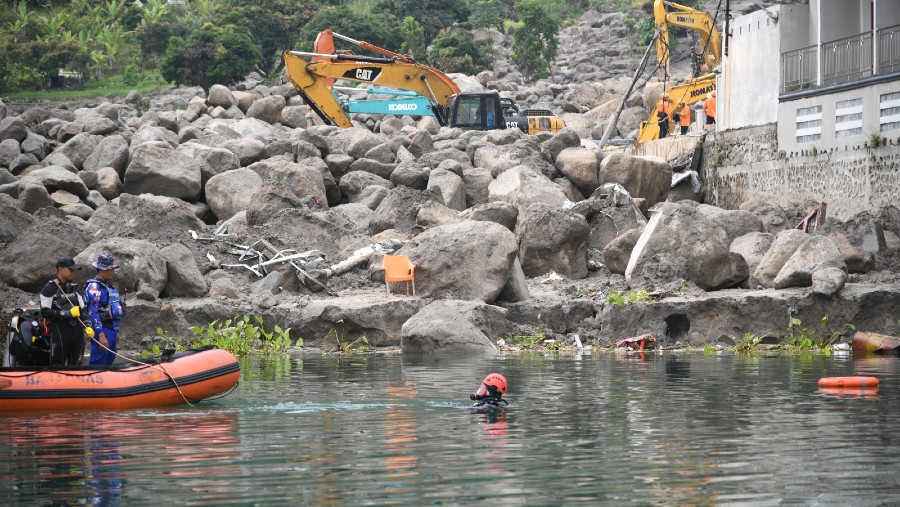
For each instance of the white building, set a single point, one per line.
(827, 73)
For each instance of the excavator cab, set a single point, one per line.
(476, 111)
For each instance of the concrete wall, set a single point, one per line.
(745, 164)
(841, 18)
(871, 118)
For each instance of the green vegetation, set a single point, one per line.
(240, 336)
(535, 45)
(527, 341)
(876, 140)
(622, 299)
(345, 345)
(748, 342)
(821, 337)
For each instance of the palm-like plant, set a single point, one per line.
(99, 60)
(153, 11)
(112, 40)
(21, 21)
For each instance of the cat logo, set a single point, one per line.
(363, 73)
(512, 124)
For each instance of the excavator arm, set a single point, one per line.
(710, 42)
(689, 92)
(313, 75)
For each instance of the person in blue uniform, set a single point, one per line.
(105, 308)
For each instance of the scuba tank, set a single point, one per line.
(27, 345)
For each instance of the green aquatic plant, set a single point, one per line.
(345, 345)
(526, 341)
(709, 350)
(809, 338)
(241, 336)
(748, 343)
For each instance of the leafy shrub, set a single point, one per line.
(212, 55)
(240, 336)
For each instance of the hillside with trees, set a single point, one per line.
(121, 44)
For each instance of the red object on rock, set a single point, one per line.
(638, 342)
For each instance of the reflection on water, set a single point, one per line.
(643, 429)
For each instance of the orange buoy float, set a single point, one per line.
(845, 382)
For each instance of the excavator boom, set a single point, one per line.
(710, 42)
(314, 77)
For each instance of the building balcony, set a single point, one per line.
(841, 61)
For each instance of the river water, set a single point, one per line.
(657, 429)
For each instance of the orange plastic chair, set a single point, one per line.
(397, 268)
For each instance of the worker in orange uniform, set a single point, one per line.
(709, 106)
(684, 117)
(662, 114)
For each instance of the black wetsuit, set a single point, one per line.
(66, 332)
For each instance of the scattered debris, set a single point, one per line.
(644, 341)
(817, 213)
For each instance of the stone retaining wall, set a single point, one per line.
(745, 164)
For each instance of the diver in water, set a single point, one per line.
(490, 393)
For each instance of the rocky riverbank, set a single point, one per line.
(234, 202)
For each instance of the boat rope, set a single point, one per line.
(113, 352)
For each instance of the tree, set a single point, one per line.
(212, 55)
(273, 25)
(485, 14)
(414, 38)
(434, 15)
(382, 30)
(535, 44)
(457, 52)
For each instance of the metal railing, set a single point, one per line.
(841, 60)
(847, 59)
(798, 69)
(888, 49)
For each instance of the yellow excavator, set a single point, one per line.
(314, 74)
(706, 58)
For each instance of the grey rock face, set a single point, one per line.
(644, 177)
(55, 178)
(552, 239)
(452, 326)
(267, 109)
(231, 191)
(467, 260)
(816, 253)
(783, 247)
(142, 268)
(29, 259)
(111, 151)
(618, 251)
(183, 276)
(161, 171)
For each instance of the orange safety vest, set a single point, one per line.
(685, 116)
(709, 105)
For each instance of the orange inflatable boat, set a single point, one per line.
(188, 376)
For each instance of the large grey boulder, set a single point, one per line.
(828, 281)
(467, 260)
(499, 159)
(384, 153)
(516, 288)
(644, 177)
(33, 196)
(160, 171)
(411, 175)
(450, 186)
(55, 178)
(477, 181)
(304, 179)
(9, 150)
(108, 182)
(581, 167)
(142, 268)
(783, 247)
(398, 210)
(565, 138)
(552, 239)
(609, 214)
(354, 182)
(150, 134)
(13, 222)
(752, 247)
(248, 150)
(680, 243)
(294, 116)
(735, 223)
(160, 219)
(380, 169)
(231, 191)
(79, 148)
(183, 276)
(618, 251)
(36, 145)
(503, 213)
(453, 326)
(13, 128)
(269, 200)
(29, 260)
(111, 151)
(523, 187)
(221, 96)
(212, 160)
(856, 259)
(267, 109)
(817, 252)
(361, 140)
(420, 143)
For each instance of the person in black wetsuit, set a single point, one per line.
(62, 304)
(490, 393)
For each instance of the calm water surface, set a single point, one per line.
(670, 429)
